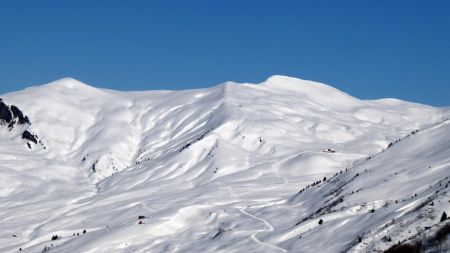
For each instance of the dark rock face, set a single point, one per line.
(5, 113)
(12, 115)
(29, 136)
(17, 113)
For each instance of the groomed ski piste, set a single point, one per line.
(286, 165)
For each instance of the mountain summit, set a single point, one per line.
(68, 83)
(286, 165)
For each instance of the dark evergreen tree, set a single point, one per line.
(443, 217)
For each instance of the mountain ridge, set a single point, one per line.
(213, 169)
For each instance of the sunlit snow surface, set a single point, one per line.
(220, 170)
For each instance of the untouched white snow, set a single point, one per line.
(220, 170)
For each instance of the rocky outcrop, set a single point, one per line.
(26, 135)
(6, 116)
(18, 114)
(12, 116)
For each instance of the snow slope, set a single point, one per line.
(220, 169)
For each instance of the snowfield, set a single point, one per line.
(231, 168)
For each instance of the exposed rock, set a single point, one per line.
(12, 116)
(9, 114)
(17, 113)
(5, 113)
(29, 136)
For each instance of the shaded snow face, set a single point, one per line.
(232, 168)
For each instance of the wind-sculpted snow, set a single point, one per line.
(231, 168)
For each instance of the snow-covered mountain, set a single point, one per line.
(286, 165)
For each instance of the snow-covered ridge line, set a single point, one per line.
(218, 170)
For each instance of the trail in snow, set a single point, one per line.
(266, 225)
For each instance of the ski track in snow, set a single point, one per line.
(266, 225)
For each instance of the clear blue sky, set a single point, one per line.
(370, 49)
